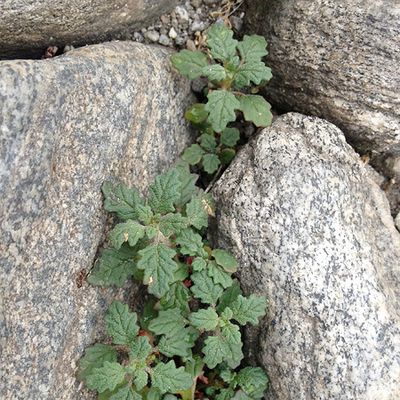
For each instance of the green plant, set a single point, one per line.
(187, 343)
(231, 67)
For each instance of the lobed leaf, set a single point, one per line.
(214, 72)
(205, 289)
(196, 114)
(168, 378)
(189, 63)
(252, 71)
(229, 296)
(211, 163)
(230, 136)
(172, 224)
(178, 296)
(252, 48)
(106, 377)
(205, 319)
(176, 345)
(129, 231)
(253, 381)
(94, 357)
(190, 242)
(218, 275)
(256, 109)
(168, 322)
(126, 393)
(140, 348)
(197, 213)
(225, 260)
(221, 43)
(248, 309)
(193, 154)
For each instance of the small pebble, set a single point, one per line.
(68, 48)
(190, 45)
(197, 26)
(182, 13)
(236, 22)
(196, 3)
(164, 40)
(199, 84)
(211, 2)
(172, 33)
(138, 37)
(152, 35)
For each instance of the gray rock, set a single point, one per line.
(152, 35)
(397, 221)
(67, 125)
(337, 60)
(314, 233)
(28, 27)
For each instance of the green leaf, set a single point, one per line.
(253, 381)
(177, 297)
(211, 163)
(248, 310)
(189, 63)
(190, 242)
(214, 72)
(114, 267)
(94, 357)
(188, 182)
(181, 273)
(168, 378)
(256, 109)
(227, 375)
(140, 348)
(153, 394)
(225, 394)
(199, 264)
(106, 377)
(219, 275)
(176, 345)
(121, 323)
(121, 200)
(140, 376)
(221, 43)
(193, 154)
(252, 48)
(208, 142)
(197, 213)
(144, 214)
(194, 366)
(227, 155)
(129, 231)
(205, 289)
(240, 395)
(126, 393)
(156, 261)
(196, 114)
(165, 191)
(230, 136)
(225, 260)
(252, 71)
(206, 319)
(229, 296)
(221, 107)
(168, 322)
(172, 224)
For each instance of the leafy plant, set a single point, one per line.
(187, 343)
(231, 68)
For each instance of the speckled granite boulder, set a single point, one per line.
(337, 60)
(314, 233)
(66, 125)
(27, 27)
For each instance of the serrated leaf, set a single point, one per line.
(141, 377)
(153, 394)
(214, 72)
(140, 348)
(172, 224)
(196, 212)
(221, 107)
(199, 264)
(211, 163)
(121, 200)
(226, 315)
(256, 109)
(168, 322)
(125, 393)
(225, 394)
(177, 297)
(206, 319)
(227, 375)
(218, 275)
(240, 395)
(252, 71)
(188, 183)
(114, 267)
(149, 313)
(182, 272)
(229, 296)
(253, 381)
(248, 309)
(227, 155)
(252, 48)
(208, 142)
(164, 191)
(156, 261)
(144, 214)
(230, 136)
(151, 232)
(221, 43)
(94, 357)
(225, 260)
(189, 63)
(176, 345)
(193, 154)
(194, 366)
(168, 378)
(170, 397)
(196, 113)
(129, 231)
(106, 377)
(205, 289)
(190, 243)
(121, 323)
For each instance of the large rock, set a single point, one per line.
(314, 233)
(67, 125)
(27, 27)
(337, 60)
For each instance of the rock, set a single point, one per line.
(327, 61)
(314, 233)
(164, 40)
(27, 28)
(172, 33)
(152, 36)
(397, 221)
(110, 111)
(182, 13)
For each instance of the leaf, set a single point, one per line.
(189, 63)
(140, 348)
(208, 142)
(126, 393)
(253, 381)
(248, 310)
(252, 48)
(218, 275)
(225, 394)
(144, 214)
(188, 181)
(156, 261)
(197, 213)
(172, 224)
(221, 43)
(193, 154)
(227, 155)
(199, 264)
(256, 109)
(121, 200)
(114, 267)
(182, 272)
(106, 377)
(141, 377)
(194, 366)
(221, 107)
(121, 323)
(190, 243)
(227, 375)
(230, 136)
(94, 357)
(129, 231)
(196, 114)
(252, 71)
(210, 163)
(176, 345)
(205, 289)
(168, 322)
(225, 260)
(168, 378)
(153, 394)
(206, 319)
(229, 296)
(214, 72)
(164, 192)
(178, 296)
(240, 395)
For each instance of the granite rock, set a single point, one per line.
(110, 111)
(314, 233)
(337, 60)
(28, 27)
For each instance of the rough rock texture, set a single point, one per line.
(337, 60)
(29, 25)
(314, 233)
(66, 125)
